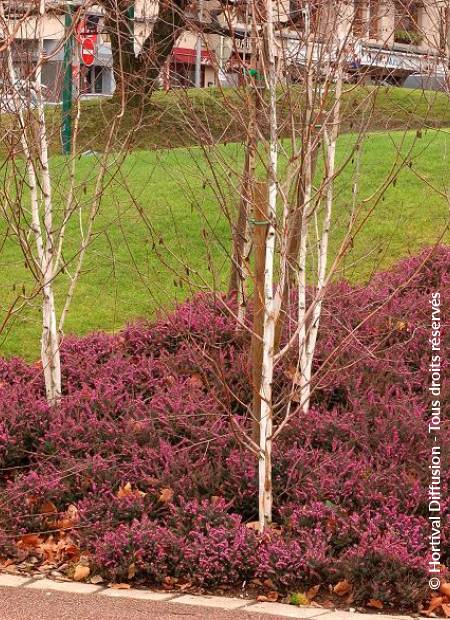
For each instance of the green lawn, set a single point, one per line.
(124, 277)
(177, 118)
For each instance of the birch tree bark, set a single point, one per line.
(268, 337)
(331, 136)
(308, 336)
(50, 353)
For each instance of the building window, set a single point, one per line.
(366, 19)
(91, 24)
(407, 22)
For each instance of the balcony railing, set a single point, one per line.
(367, 55)
(379, 57)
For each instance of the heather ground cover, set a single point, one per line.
(138, 471)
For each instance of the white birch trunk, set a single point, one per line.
(266, 413)
(50, 354)
(330, 136)
(304, 394)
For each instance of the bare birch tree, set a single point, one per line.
(30, 209)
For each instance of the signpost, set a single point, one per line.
(87, 42)
(66, 125)
(87, 51)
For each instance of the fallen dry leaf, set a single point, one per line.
(446, 609)
(312, 592)
(196, 380)
(350, 598)
(69, 519)
(49, 550)
(127, 491)
(166, 495)
(7, 563)
(270, 597)
(9, 566)
(435, 603)
(68, 551)
(48, 508)
(169, 582)
(445, 589)
(95, 579)
(256, 582)
(184, 586)
(81, 572)
(375, 603)
(72, 513)
(253, 525)
(342, 588)
(132, 571)
(120, 586)
(29, 541)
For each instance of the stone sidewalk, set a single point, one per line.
(40, 598)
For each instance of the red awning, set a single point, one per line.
(186, 56)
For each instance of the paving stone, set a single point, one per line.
(218, 602)
(38, 582)
(290, 611)
(348, 615)
(12, 581)
(64, 586)
(142, 595)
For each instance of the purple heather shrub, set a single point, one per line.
(225, 555)
(294, 563)
(24, 423)
(151, 407)
(26, 493)
(154, 550)
(218, 547)
(386, 572)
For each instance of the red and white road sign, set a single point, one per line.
(87, 50)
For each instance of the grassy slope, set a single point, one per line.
(169, 121)
(169, 186)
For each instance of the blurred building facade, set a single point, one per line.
(386, 40)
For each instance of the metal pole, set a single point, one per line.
(66, 129)
(198, 50)
(130, 19)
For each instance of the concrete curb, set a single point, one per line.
(216, 602)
